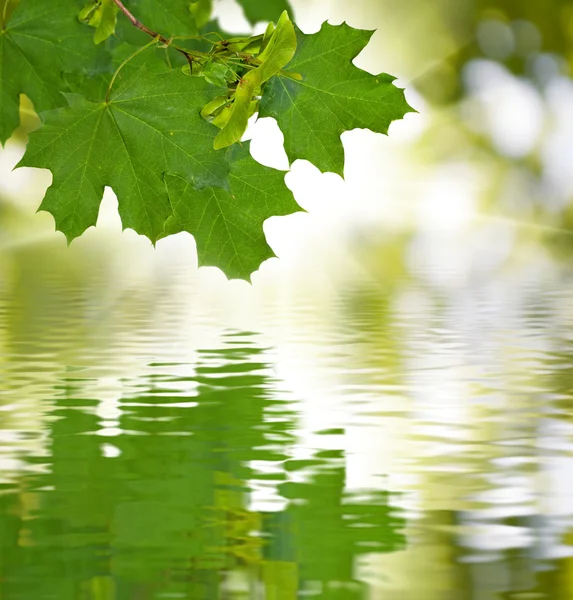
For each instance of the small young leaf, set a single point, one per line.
(106, 27)
(222, 116)
(279, 52)
(212, 107)
(102, 15)
(267, 35)
(244, 45)
(91, 13)
(217, 73)
(238, 119)
(254, 46)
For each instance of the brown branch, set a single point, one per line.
(156, 36)
(136, 23)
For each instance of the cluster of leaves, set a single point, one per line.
(151, 98)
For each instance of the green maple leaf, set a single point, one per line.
(151, 125)
(332, 96)
(39, 42)
(228, 224)
(266, 10)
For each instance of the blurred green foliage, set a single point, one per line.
(437, 39)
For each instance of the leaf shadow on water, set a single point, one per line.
(162, 509)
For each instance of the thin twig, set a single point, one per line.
(136, 23)
(5, 13)
(190, 55)
(156, 36)
(131, 57)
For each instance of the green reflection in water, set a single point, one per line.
(161, 508)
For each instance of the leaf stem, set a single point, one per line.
(5, 14)
(221, 38)
(196, 37)
(130, 57)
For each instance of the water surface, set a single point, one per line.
(400, 441)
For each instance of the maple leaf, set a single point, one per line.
(269, 10)
(331, 96)
(39, 42)
(151, 133)
(151, 125)
(228, 224)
